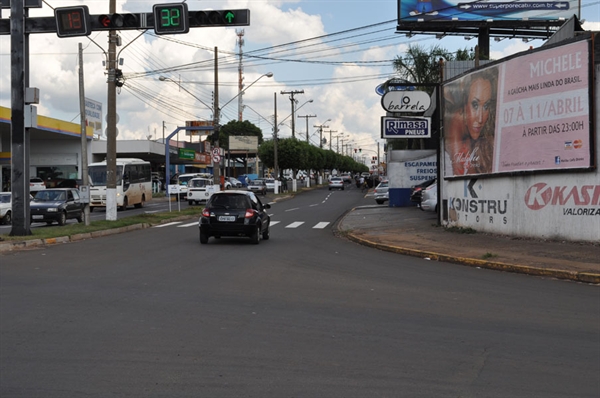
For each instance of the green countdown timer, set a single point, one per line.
(72, 21)
(170, 19)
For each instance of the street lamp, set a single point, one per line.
(168, 79)
(320, 127)
(297, 109)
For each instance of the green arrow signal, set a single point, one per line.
(229, 16)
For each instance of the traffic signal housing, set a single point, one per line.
(170, 19)
(119, 21)
(219, 18)
(72, 21)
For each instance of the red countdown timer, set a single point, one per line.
(72, 21)
(170, 19)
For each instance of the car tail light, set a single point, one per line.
(249, 213)
(205, 212)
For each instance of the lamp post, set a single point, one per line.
(337, 142)
(168, 79)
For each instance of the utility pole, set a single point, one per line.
(84, 168)
(275, 142)
(330, 131)
(111, 124)
(217, 117)
(292, 93)
(306, 117)
(320, 127)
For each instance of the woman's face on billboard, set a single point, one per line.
(478, 106)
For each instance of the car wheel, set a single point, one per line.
(203, 238)
(62, 218)
(255, 237)
(80, 217)
(265, 234)
(124, 207)
(330, 189)
(91, 209)
(7, 218)
(379, 202)
(190, 202)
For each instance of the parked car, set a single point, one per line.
(429, 198)
(235, 213)
(56, 204)
(235, 183)
(381, 192)
(36, 184)
(415, 195)
(336, 183)
(5, 208)
(258, 186)
(270, 183)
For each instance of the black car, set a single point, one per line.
(235, 213)
(56, 204)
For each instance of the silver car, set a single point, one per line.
(336, 183)
(429, 199)
(381, 192)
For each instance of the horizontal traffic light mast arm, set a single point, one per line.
(196, 19)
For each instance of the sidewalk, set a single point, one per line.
(410, 231)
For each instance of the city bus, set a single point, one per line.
(134, 183)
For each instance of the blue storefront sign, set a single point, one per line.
(405, 127)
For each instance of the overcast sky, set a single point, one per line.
(336, 51)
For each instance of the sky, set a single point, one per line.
(335, 51)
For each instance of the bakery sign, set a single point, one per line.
(406, 101)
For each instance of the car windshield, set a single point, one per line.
(50, 196)
(257, 182)
(199, 183)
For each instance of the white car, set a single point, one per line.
(5, 208)
(36, 184)
(429, 198)
(381, 192)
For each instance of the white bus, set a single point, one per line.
(134, 183)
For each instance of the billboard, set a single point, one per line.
(529, 113)
(482, 11)
(93, 116)
(243, 143)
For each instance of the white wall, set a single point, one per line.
(408, 168)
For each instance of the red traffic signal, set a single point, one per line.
(118, 21)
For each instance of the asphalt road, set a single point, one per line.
(152, 313)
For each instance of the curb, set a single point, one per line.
(585, 277)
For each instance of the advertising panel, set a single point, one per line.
(243, 143)
(460, 10)
(93, 115)
(405, 127)
(529, 113)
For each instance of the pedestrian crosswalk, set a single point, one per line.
(292, 225)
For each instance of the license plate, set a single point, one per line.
(37, 217)
(227, 218)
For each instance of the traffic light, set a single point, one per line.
(118, 21)
(72, 21)
(170, 19)
(220, 18)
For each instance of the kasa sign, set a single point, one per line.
(406, 101)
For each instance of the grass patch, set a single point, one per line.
(489, 255)
(55, 231)
(461, 230)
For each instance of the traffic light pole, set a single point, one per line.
(111, 125)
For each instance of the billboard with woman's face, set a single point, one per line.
(529, 113)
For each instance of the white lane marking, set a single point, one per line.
(295, 208)
(274, 223)
(321, 225)
(188, 225)
(167, 224)
(314, 205)
(295, 224)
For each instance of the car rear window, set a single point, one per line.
(231, 201)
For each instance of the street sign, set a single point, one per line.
(406, 101)
(216, 151)
(405, 127)
(216, 158)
